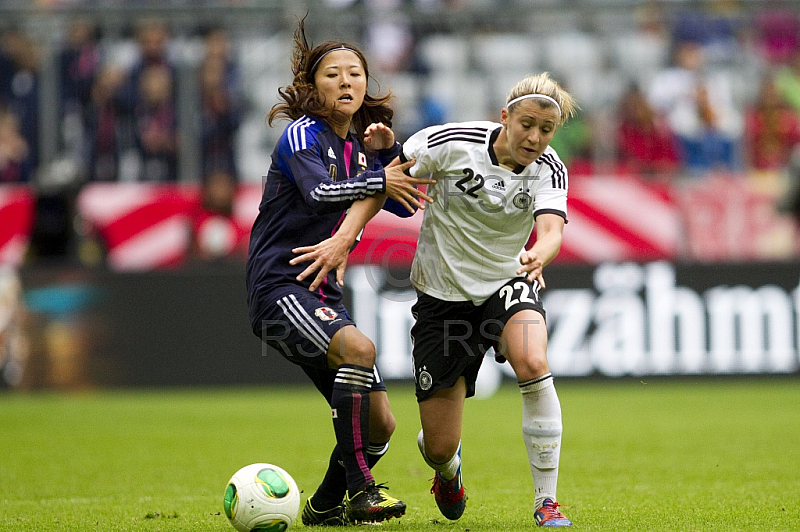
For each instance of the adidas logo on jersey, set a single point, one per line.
(331, 154)
(499, 185)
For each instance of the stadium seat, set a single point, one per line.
(639, 56)
(498, 52)
(406, 90)
(573, 51)
(466, 96)
(445, 53)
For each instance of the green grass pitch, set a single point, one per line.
(693, 454)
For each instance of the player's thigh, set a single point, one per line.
(441, 415)
(300, 327)
(447, 345)
(514, 318)
(350, 346)
(523, 342)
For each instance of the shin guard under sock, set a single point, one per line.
(350, 411)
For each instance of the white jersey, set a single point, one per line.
(483, 213)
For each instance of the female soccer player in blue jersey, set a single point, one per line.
(330, 155)
(477, 286)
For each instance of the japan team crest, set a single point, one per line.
(326, 313)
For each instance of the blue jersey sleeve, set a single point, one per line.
(395, 208)
(320, 191)
(301, 162)
(386, 156)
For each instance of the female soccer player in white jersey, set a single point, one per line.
(477, 286)
(331, 154)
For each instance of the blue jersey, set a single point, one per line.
(314, 177)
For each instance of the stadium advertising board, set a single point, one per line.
(628, 319)
(189, 327)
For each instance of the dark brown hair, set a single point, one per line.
(301, 97)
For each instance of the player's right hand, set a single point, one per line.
(329, 254)
(401, 187)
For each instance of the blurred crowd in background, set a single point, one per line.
(669, 91)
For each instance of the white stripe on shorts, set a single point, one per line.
(296, 314)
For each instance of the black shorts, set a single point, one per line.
(299, 326)
(450, 338)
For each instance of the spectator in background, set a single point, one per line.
(101, 123)
(700, 110)
(14, 348)
(574, 144)
(778, 34)
(152, 38)
(15, 160)
(390, 41)
(19, 81)
(79, 63)
(715, 27)
(7, 66)
(220, 119)
(787, 82)
(221, 106)
(215, 234)
(789, 203)
(772, 130)
(218, 48)
(645, 144)
(156, 125)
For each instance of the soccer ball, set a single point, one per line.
(261, 497)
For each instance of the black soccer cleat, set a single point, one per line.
(332, 517)
(372, 505)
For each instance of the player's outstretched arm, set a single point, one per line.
(332, 252)
(549, 232)
(400, 186)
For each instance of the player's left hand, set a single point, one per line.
(378, 136)
(329, 254)
(533, 266)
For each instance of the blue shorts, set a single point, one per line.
(299, 326)
(450, 338)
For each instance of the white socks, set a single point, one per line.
(541, 431)
(449, 469)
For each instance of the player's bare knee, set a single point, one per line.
(358, 350)
(530, 366)
(440, 452)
